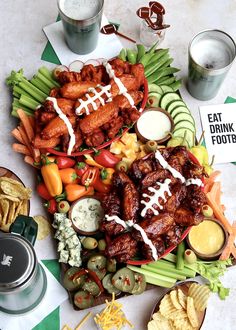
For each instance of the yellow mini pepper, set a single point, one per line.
(51, 177)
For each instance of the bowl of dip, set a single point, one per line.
(208, 239)
(154, 124)
(86, 214)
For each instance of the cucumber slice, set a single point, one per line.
(155, 88)
(175, 104)
(183, 116)
(166, 88)
(153, 99)
(179, 109)
(186, 124)
(189, 135)
(167, 98)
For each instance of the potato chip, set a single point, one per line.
(183, 324)
(17, 211)
(200, 294)
(44, 227)
(5, 208)
(13, 181)
(162, 322)
(10, 198)
(15, 190)
(11, 212)
(174, 299)
(182, 299)
(191, 312)
(166, 307)
(178, 315)
(24, 207)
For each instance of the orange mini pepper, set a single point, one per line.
(51, 177)
(106, 175)
(68, 175)
(75, 191)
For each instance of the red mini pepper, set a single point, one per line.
(43, 191)
(92, 178)
(81, 168)
(64, 162)
(106, 158)
(51, 206)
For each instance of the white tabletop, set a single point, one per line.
(21, 44)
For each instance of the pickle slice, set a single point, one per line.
(106, 282)
(124, 280)
(140, 284)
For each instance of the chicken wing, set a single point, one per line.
(185, 217)
(74, 90)
(98, 118)
(159, 245)
(123, 248)
(173, 235)
(68, 76)
(56, 128)
(123, 103)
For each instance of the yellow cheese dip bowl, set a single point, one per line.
(208, 239)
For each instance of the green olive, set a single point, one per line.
(122, 166)
(63, 207)
(207, 211)
(83, 299)
(190, 257)
(124, 280)
(70, 284)
(89, 243)
(140, 284)
(91, 287)
(102, 244)
(150, 146)
(111, 265)
(106, 282)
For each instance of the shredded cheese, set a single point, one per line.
(112, 316)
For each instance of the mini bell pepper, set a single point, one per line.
(81, 168)
(90, 161)
(43, 191)
(64, 162)
(106, 175)
(75, 191)
(91, 178)
(51, 177)
(51, 206)
(105, 158)
(68, 175)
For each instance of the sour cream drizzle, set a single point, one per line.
(122, 88)
(197, 182)
(160, 193)
(66, 121)
(91, 99)
(166, 166)
(129, 224)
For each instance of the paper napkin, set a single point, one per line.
(108, 45)
(54, 297)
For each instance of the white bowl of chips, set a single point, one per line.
(181, 307)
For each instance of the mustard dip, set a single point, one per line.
(207, 238)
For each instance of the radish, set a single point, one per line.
(100, 60)
(76, 66)
(93, 62)
(59, 69)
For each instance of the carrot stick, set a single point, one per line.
(213, 176)
(15, 132)
(32, 121)
(26, 124)
(216, 191)
(29, 160)
(21, 148)
(218, 212)
(24, 137)
(36, 154)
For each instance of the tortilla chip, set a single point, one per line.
(13, 181)
(17, 211)
(24, 207)
(10, 198)
(5, 208)
(11, 212)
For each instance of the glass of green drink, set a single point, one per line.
(81, 21)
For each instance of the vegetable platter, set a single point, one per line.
(121, 207)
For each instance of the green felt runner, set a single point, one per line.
(52, 321)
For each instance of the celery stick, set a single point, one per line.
(146, 272)
(40, 85)
(185, 272)
(33, 91)
(15, 114)
(16, 94)
(170, 257)
(155, 281)
(28, 102)
(18, 105)
(45, 80)
(170, 273)
(20, 91)
(180, 255)
(48, 74)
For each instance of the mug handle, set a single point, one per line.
(26, 227)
